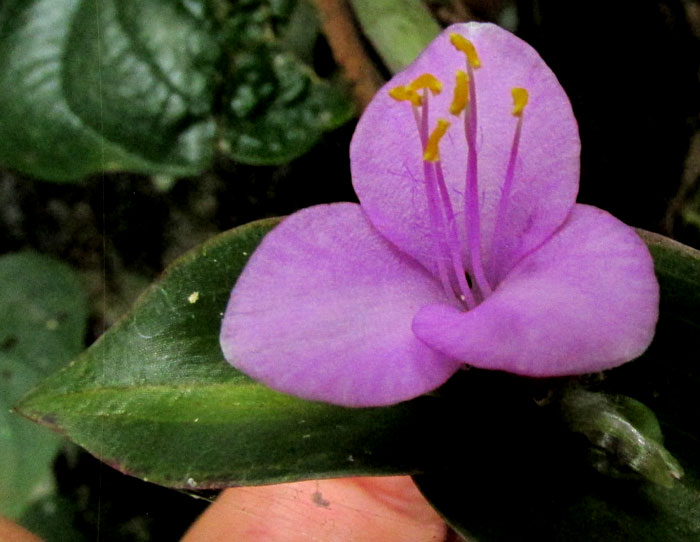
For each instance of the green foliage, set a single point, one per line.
(141, 85)
(626, 440)
(43, 312)
(155, 398)
(398, 29)
(677, 267)
(118, 85)
(275, 107)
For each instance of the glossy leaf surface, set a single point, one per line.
(275, 107)
(155, 86)
(155, 398)
(86, 86)
(678, 270)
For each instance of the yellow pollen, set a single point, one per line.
(461, 95)
(520, 97)
(427, 80)
(467, 47)
(402, 94)
(432, 153)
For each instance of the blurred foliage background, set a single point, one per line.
(267, 93)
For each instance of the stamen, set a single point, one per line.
(453, 243)
(471, 204)
(467, 47)
(442, 219)
(461, 95)
(436, 218)
(404, 93)
(432, 152)
(520, 98)
(427, 80)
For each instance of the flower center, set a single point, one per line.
(467, 282)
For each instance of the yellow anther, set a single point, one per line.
(467, 47)
(402, 94)
(432, 153)
(520, 97)
(461, 95)
(427, 80)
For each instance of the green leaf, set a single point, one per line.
(278, 108)
(275, 107)
(139, 85)
(155, 398)
(85, 85)
(625, 436)
(398, 29)
(43, 313)
(677, 267)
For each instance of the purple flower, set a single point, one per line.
(467, 248)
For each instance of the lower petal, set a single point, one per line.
(585, 301)
(323, 310)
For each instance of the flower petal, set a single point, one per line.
(585, 301)
(386, 151)
(323, 311)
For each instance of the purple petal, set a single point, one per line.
(386, 151)
(585, 301)
(323, 311)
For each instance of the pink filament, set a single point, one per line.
(507, 187)
(436, 219)
(443, 225)
(453, 240)
(471, 205)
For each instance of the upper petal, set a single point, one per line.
(386, 151)
(323, 310)
(585, 301)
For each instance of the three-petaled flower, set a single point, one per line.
(467, 247)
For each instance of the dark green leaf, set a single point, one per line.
(43, 312)
(678, 269)
(111, 85)
(625, 437)
(155, 398)
(275, 107)
(398, 29)
(135, 85)
(278, 108)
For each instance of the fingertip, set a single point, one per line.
(344, 510)
(11, 532)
